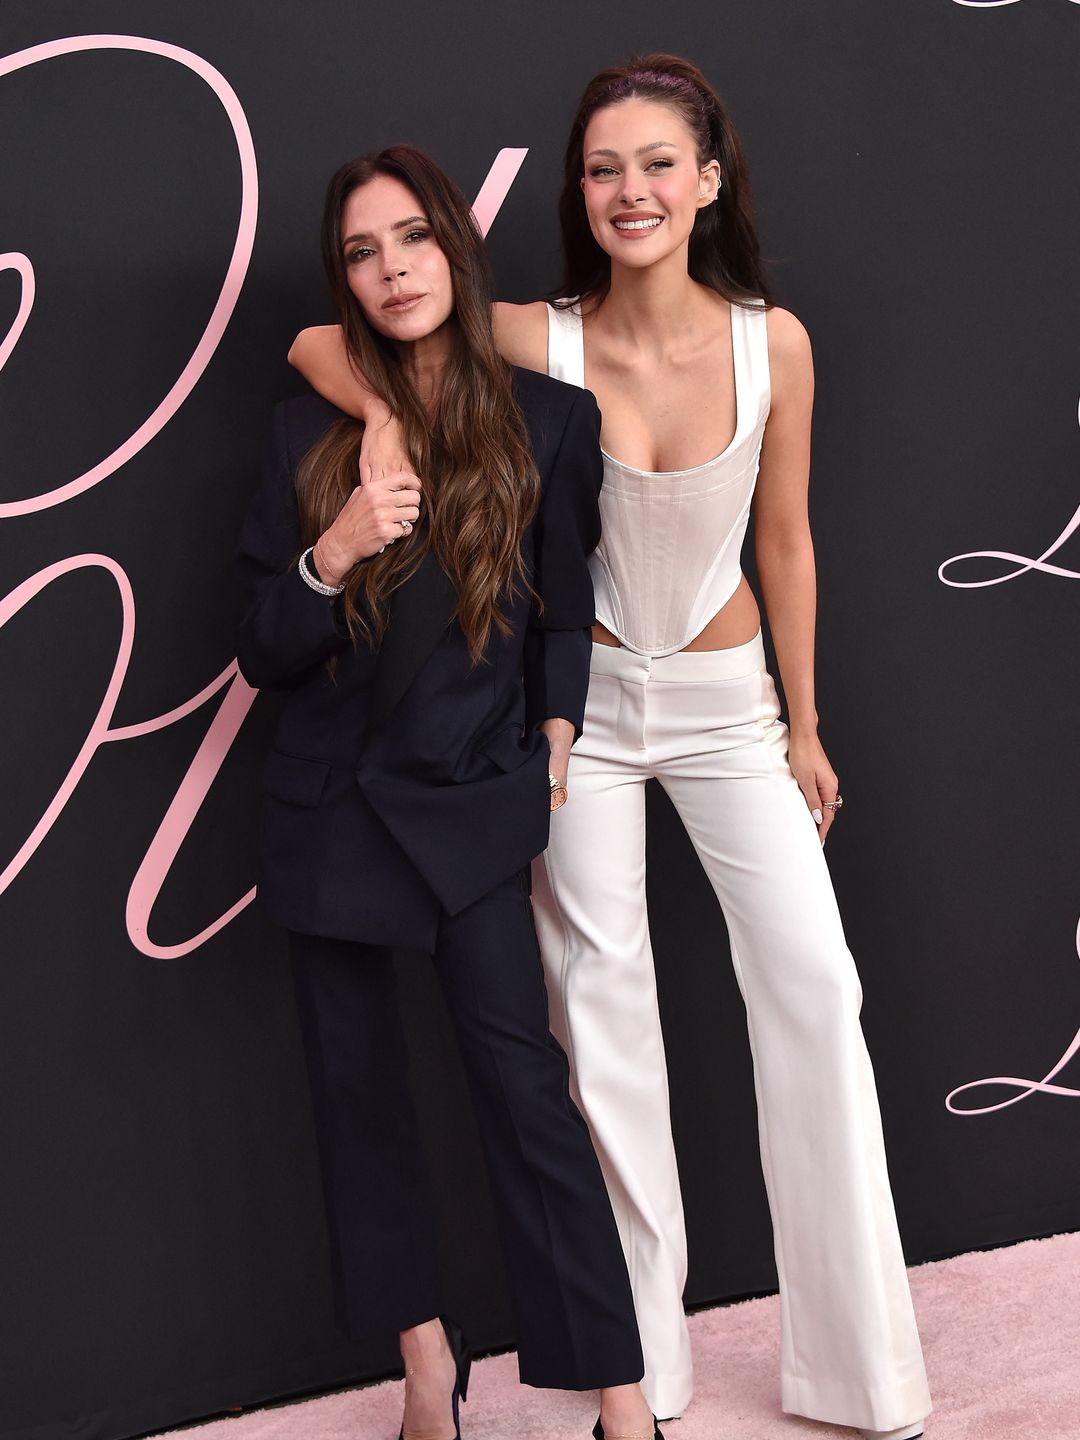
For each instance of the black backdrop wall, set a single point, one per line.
(915, 165)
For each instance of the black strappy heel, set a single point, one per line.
(459, 1349)
(598, 1430)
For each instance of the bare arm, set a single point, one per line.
(785, 553)
(319, 354)
(521, 333)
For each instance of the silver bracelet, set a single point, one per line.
(310, 580)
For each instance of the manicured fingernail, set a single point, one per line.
(818, 817)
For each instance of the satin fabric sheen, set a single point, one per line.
(668, 557)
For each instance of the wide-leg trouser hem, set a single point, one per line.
(669, 1395)
(541, 1379)
(393, 1323)
(889, 1407)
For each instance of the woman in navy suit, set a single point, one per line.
(433, 637)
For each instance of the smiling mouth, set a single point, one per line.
(652, 223)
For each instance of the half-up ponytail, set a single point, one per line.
(724, 250)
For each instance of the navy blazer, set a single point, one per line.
(411, 782)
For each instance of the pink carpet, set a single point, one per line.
(1001, 1332)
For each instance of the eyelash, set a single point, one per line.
(361, 252)
(603, 171)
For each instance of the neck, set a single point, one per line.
(647, 305)
(424, 361)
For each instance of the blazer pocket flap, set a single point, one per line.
(506, 750)
(295, 780)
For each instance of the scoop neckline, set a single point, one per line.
(740, 398)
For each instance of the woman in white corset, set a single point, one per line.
(706, 394)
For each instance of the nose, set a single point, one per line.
(394, 270)
(631, 190)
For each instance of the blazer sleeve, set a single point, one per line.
(558, 642)
(287, 627)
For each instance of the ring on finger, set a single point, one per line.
(406, 526)
(837, 804)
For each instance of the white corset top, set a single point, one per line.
(668, 558)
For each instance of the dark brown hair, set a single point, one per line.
(724, 251)
(481, 486)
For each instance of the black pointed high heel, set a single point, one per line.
(598, 1430)
(459, 1349)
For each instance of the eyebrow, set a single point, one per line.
(641, 150)
(397, 225)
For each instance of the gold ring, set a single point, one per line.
(837, 804)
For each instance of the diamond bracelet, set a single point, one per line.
(310, 580)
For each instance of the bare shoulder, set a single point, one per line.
(521, 333)
(315, 339)
(326, 335)
(789, 344)
(791, 360)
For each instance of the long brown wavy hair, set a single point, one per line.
(481, 485)
(724, 249)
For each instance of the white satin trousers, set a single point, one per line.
(706, 725)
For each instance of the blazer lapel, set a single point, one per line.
(419, 613)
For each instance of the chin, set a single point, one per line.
(639, 257)
(418, 330)
(407, 330)
(634, 260)
(639, 254)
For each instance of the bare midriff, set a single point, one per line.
(737, 623)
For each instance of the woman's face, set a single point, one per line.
(393, 262)
(643, 185)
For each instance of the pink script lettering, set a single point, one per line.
(1019, 565)
(238, 696)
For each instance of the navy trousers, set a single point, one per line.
(568, 1281)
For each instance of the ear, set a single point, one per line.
(708, 183)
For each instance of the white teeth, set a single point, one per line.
(638, 224)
